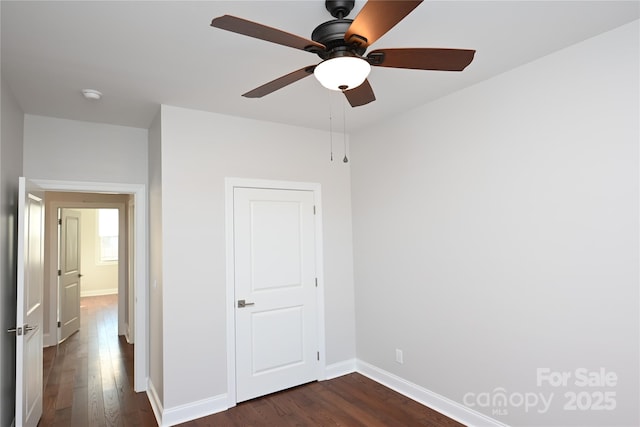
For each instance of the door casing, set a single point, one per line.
(230, 185)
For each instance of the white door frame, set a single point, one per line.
(139, 192)
(230, 185)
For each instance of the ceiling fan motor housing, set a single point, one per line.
(331, 34)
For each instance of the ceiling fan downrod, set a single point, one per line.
(339, 8)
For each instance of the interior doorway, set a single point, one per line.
(130, 199)
(59, 301)
(89, 260)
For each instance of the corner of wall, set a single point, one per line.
(154, 400)
(339, 369)
(435, 401)
(182, 413)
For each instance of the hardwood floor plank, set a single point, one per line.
(96, 398)
(80, 408)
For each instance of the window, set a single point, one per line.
(108, 234)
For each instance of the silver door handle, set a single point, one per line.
(242, 303)
(18, 331)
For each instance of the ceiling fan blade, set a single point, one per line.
(280, 82)
(376, 18)
(262, 32)
(422, 58)
(360, 95)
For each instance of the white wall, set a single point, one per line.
(199, 150)
(98, 278)
(496, 232)
(11, 130)
(59, 149)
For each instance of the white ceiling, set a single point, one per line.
(145, 53)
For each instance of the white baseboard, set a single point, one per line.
(183, 413)
(127, 336)
(457, 411)
(98, 293)
(48, 340)
(339, 369)
(439, 403)
(194, 410)
(154, 400)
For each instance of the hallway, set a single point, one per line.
(88, 380)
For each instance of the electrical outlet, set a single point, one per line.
(399, 356)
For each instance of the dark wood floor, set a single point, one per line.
(350, 400)
(89, 377)
(89, 382)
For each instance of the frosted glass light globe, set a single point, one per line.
(342, 73)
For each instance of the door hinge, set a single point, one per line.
(59, 324)
(314, 209)
(59, 272)
(316, 282)
(59, 221)
(318, 355)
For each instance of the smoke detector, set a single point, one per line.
(91, 94)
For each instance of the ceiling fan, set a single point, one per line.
(341, 44)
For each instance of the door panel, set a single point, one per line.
(69, 273)
(274, 267)
(280, 329)
(30, 264)
(275, 245)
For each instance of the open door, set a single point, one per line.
(30, 259)
(69, 273)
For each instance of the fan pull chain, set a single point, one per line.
(344, 128)
(330, 129)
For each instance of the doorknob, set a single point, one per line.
(28, 328)
(18, 331)
(242, 303)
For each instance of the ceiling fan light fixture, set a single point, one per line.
(342, 73)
